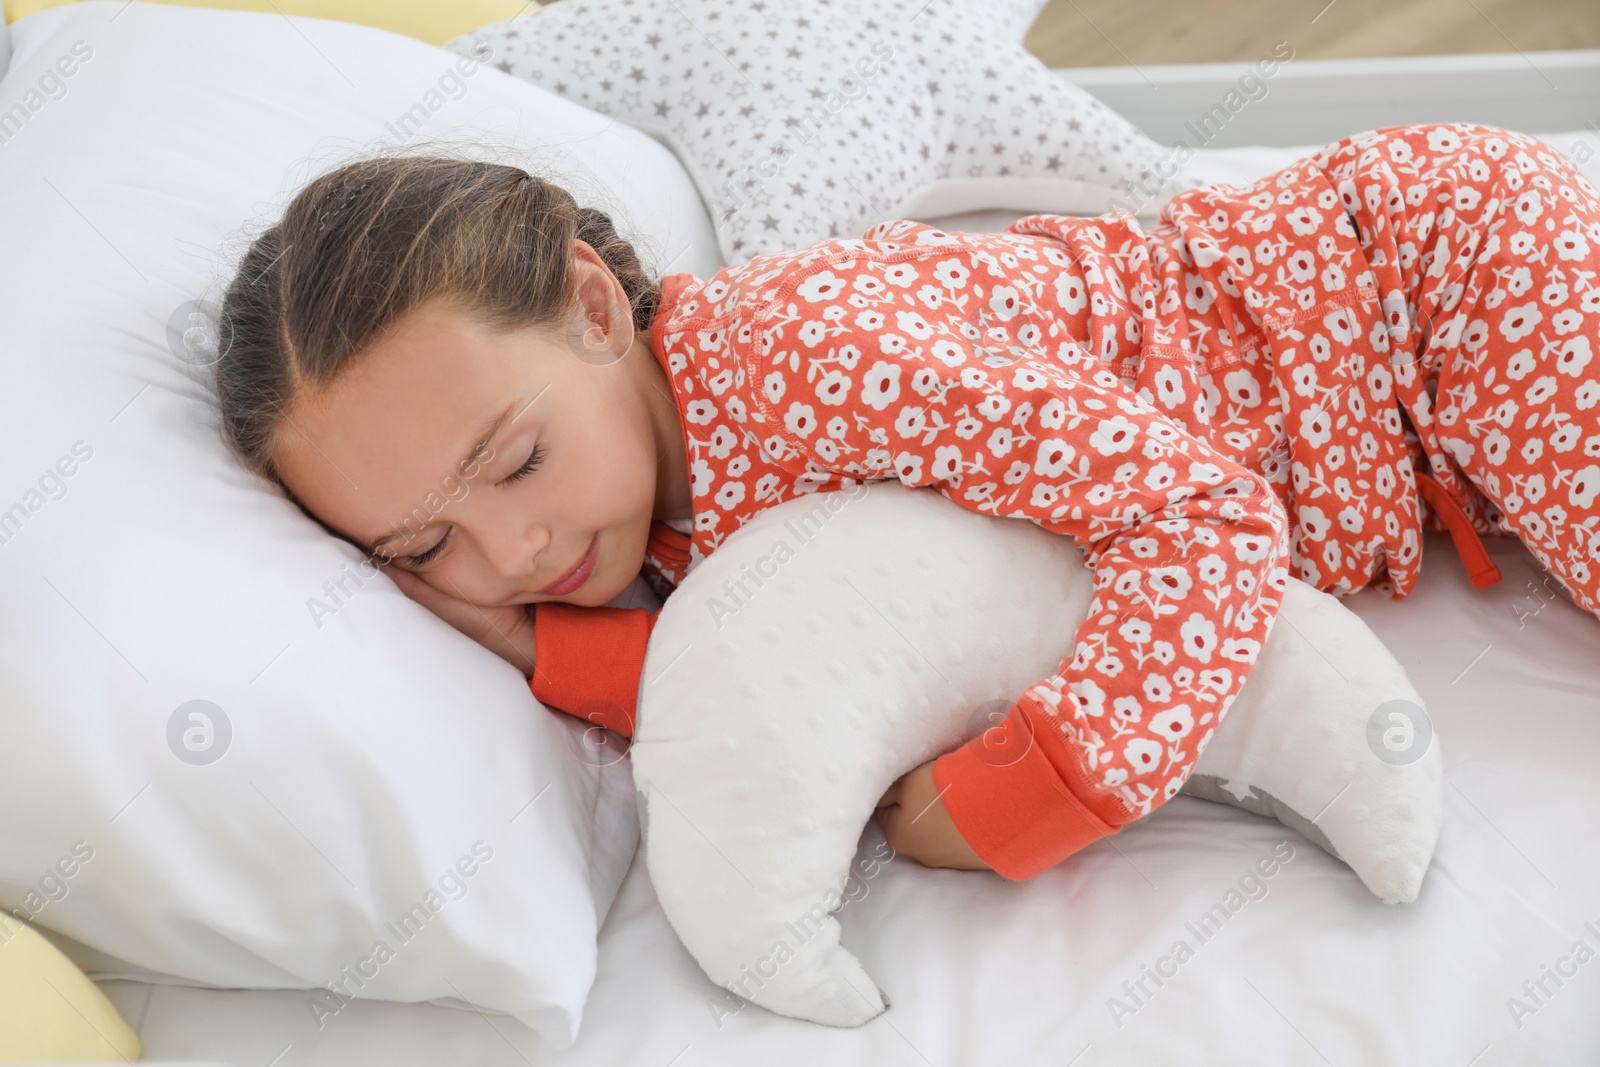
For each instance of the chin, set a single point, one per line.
(603, 593)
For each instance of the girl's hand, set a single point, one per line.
(916, 825)
(505, 631)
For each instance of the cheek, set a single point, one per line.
(619, 484)
(613, 470)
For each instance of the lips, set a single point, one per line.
(578, 574)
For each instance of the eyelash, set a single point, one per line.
(527, 468)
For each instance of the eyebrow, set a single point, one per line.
(483, 437)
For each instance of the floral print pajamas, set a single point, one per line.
(1485, 245)
(1244, 392)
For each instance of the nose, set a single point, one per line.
(517, 552)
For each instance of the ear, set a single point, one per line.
(601, 310)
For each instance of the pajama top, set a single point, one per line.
(1248, 390)
(954, 362)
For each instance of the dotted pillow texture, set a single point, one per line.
(801, 122)
(887, 624)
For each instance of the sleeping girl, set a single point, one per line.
(451, 365)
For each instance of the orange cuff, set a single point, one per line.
(1010, 804)
(588, 661)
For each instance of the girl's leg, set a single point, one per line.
(1276, 350)
(1486, 246)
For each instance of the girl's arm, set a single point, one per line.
(1187, 548)
(591, 661)
(583, 661)
(508, 632)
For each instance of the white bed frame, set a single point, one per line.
(1314, 101)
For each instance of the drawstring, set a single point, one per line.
(1480, 568)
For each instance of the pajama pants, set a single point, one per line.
(1398, 331)
(1487, 248)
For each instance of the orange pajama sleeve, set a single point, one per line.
(588, 662)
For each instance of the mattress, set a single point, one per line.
(1495, 963)
(982, 971)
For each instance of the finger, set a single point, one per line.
(420, 591)
(403, 578)
(465, 617)
(891, 828)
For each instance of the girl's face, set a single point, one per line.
(488, 462)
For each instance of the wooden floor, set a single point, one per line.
(1097, 33)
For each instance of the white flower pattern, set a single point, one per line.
(1170, 398)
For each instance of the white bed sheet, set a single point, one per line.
(981, 971)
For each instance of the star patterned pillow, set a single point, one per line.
(803, 122)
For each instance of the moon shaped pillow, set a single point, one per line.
(773, 718)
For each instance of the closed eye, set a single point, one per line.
(427, 557)
(534, 459)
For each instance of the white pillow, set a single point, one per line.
(802, 122)
(766, 734)
(373, 759)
